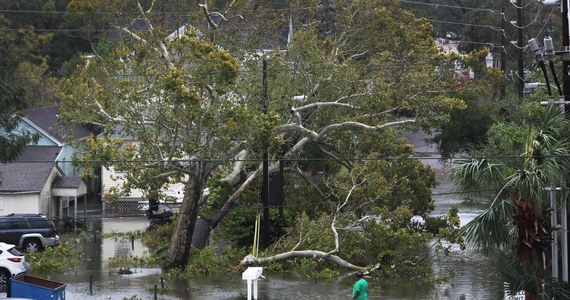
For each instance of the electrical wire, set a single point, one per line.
(337, 159)
(437, 5)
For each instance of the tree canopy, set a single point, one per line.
(200, 106)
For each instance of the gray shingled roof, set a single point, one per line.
(67, 182)
(24, 177)
(48, 117)
(39, 153)
(30, 171)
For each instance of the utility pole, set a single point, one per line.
(520, 62)
(265, 180)
(566, 93)
(504, 50)
(563, 101)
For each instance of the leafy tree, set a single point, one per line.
(467, 128)
(516, 220)
(11, 143)
(193, 102)
(17, 51)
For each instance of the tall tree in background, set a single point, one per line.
(18, 49)
(192, 98)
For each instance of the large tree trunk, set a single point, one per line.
(179, 248)
(201, 234)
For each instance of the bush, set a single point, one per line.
(55, 259)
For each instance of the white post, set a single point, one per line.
(249, 289)
(564, 219)
(75, 215)
(255, 289)
(553, 223)
(252, 274)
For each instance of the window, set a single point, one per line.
(4, 224)
(38, 223)
(18, 223)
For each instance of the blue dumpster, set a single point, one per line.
(26, 286)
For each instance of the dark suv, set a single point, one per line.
(29, 232)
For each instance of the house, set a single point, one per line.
(34, 183)
(45, 121)
(113, 179)
(42, 179)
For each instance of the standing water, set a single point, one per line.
(475, 275)
(473, 279)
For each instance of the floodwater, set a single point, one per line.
(474, 278)
(94, 280)
(475, 275)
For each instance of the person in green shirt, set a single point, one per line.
(360, 289)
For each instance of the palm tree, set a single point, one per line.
(517, 219)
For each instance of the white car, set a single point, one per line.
(12, 263)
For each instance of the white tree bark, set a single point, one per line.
(251, 260)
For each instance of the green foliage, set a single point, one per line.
(516, 217)
(12, 103)
(388, 239)
(193, 102)
(56, 259)
(239, 226)
(207, 262)
(156, 238)
(176, 273)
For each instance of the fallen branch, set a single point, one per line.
(251, 260)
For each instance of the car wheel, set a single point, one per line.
(4, 277)
(32, 245)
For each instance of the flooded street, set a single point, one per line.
(474, 278)
(475, 275)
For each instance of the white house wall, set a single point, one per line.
(33, 202)
(48, 204)
(18, 203)
(112, 179)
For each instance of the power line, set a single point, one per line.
(180, 13)
(466, 24)
(437, 5)
(341, 159)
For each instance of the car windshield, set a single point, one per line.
(15, 251)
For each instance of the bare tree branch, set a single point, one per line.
(209, 15)
(164, 52)
(233, 177)
(251, 260)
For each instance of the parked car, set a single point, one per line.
(29, 232)
(12, 263)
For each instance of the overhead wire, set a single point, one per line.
(438, 5)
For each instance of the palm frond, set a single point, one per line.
(476, 176)
(492, 229)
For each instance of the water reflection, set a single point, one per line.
(475, 277)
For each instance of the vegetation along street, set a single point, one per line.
(284, 134)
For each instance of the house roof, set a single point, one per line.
(30, 171)
(39, 154)
(47, 119)
(67, 182)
